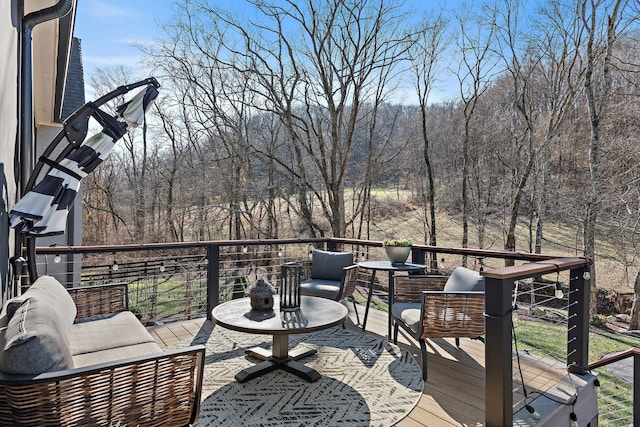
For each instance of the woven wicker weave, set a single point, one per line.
(350, 281)
(162, 389)
(453, 315)
(410, 288)
(444, 314)
(96, 300)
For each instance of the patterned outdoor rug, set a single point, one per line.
(366, 381)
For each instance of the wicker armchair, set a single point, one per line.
(159, 389)
(437, 307)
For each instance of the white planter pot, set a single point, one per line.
(398, 254)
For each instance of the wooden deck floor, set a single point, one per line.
(454, 392)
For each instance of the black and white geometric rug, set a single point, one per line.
(365, 381)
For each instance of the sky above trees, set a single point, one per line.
(111, 29)
(292, 100)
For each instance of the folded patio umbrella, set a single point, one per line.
(54, 183)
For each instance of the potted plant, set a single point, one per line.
(397, 250)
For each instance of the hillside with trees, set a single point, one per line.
(289, 121)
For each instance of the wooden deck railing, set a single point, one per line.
(635, 353)
(499, 303)
(499, 307)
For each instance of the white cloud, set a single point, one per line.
(99, 61)
(105, 9)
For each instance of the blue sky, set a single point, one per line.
(109, 28)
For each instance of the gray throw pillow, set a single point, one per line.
(328, 265)
(36, 338)
(47, 288)
(463, 279)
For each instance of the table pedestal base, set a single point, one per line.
(279, 358)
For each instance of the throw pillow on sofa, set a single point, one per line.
(36, 338)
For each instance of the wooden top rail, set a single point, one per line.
(536, 268)
(478, 253)
(615, 358)
(60, 249)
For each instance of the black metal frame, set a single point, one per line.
(74, 130)
(499, 307)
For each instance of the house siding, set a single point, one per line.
(45, 95)
(74, 88)
(9, 36)
(68, 270)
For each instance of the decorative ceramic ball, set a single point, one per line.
(261, 295)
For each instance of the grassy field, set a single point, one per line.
(549, 341)
(405, 219)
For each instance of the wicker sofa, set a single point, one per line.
(79, 357)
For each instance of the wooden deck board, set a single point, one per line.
(454, 392)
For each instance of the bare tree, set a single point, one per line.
(425, 55)
(561, 76)
(217, 114)
(603, 21)
(175, 125)
(541, 61)
(520, 63)
(132, 150)
(102, 216)
(323, 70)
(475, 74)
(355, 59)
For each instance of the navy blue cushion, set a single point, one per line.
(329, 265)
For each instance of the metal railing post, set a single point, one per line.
(418, 255)
(497, 350)
(213, 278)
(613, 409)
(578, 322)
(636, 390)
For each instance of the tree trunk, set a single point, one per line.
(589, 252)
(542, 200)
(465, 198)
(597, 101)
(634, 324)
(433, 257)
(140, 191)
(510, 243)
(272, 218)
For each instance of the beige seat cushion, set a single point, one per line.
(111, 354)
(46, 288)
(106, 332)
(409, 313)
